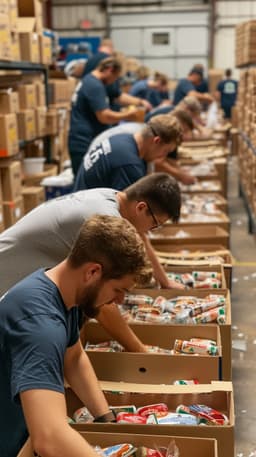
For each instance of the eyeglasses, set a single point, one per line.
(156, 222)
(153, 130)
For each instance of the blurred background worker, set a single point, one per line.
(91, 112)
(226, 93)
(150, 89)
(188, 86)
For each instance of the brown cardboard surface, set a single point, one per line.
(8, 135)
(218, 395)
(15, 46)
(45, 46)
(11, 181)
(194, 447)
(154, 368)
(29, 47)
(26, 124)
(32, 197)
(13, 211)
(52, 122)
(5, 37)
(223, 222)
(188, 269)
(221, 202)
(13, 14)
(9, 102)
(27, 96)
(225, 329)
(30, 8)
(196, 235)
(40, 117)
(40, 94)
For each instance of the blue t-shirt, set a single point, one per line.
(161, 110)
(114, 163)
(228, 94)
(114, 89)
(183, 88)
(203, 87)
(140, 89)
(35, 330)
(89, 97)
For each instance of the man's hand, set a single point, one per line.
(187, 179)
(146, 104)
(175, 285)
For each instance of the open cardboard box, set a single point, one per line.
(220, 220)
(197, 255)
(219, 200)
(220, 163)
(225, 329)
(192, 447)
(204, 186)
(218, 395)
(190, 268)
(155, 368)
(200, 234)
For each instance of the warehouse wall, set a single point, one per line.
(228, 15)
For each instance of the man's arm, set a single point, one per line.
(108, 116)
(176, 172)
(46, 419)
(80, 375)
(127, 99)
(207, 98)
(113, 322)
(158, 269)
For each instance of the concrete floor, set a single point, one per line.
(243, 247)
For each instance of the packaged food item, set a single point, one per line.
(129, 418)
(160, 303)
(172, 418)
(119, 450)
(82, 415)
(195, 347)
(185, 382)
(208, 283)
(145, 411)
(205, 414)
(123, 409)
(187, 279)
(137, 299)
(212, 315)
(171, 451)
(202, 275)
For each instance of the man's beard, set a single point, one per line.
(88, 301)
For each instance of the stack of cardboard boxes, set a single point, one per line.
(245, 43)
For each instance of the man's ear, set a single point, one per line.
(92, 271)
(140, 206)
(157, 139)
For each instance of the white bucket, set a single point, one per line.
(33, 165)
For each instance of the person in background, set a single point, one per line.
(39, 338)
(188, 86)
(150, 89)
(45, 235)
(226, 93)
(91, 113)
(203, 87)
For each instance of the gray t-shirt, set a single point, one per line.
(44, 236)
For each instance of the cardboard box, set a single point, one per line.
(179, 269)
(34, 180)
(27, 96)
(194, 235)
(1, 217)
(45, 46)
(206, 187)
(154, 368)
(26, 124)
(34, 149)
(219, 200)
(218, 395)
(32, 197)
(40, 115)
(5, 37)
(30, 8)
(225, 329)
(29, 42)
(59, 91)
(4, 7)
(40, 94)
(220, 220)
(194, 447)
(9, 135)
(214, 77)
(15, 47)
(9, 101)
(11, 181)
(13, 211)
(13, 14)
(51, 122)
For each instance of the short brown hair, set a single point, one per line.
(110, 62)
(115, 244)
(161, 191)
(166, 127)
(183, 117)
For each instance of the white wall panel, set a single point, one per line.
(192, 40)
(154, 19)
(128, 41)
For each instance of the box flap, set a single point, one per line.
(26, 24)
(225, 386)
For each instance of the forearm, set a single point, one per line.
(175, 171)
(113, 117)
(81, 377)
(111, 319)
(127, 99)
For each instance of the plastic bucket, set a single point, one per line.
(33, 165)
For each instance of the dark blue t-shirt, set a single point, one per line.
(140, 89)
(114, 163)
(183, 88)
(203, 87)
(89, 97)
(35, 330)
(161, 110)
(228, 94)
(113, 90)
